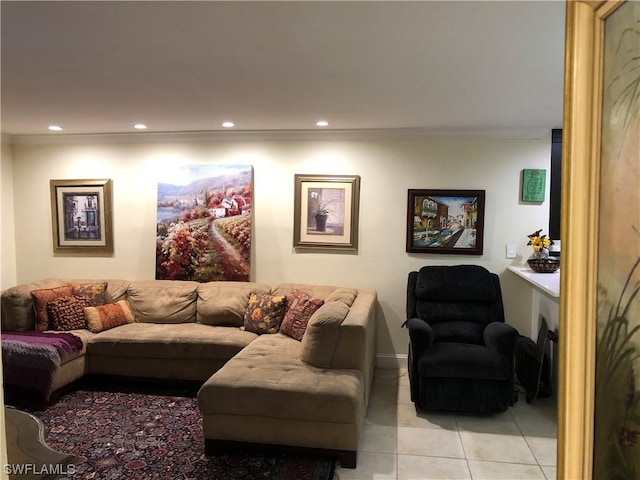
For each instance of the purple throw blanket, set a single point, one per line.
(30, 359)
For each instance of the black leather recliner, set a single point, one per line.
(461, 351)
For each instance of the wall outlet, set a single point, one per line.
(512, 250)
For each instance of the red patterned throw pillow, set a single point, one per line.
(300, 307)
(264, 313)
(110, 315)
(43, 296)
(67, 313)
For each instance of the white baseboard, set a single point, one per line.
(385, 360)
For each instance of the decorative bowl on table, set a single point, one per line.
(544, 265)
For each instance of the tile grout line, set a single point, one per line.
(528, 444)
(464, 450)
(399, 388)
(397, 432)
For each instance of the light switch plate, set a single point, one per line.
(512, 250)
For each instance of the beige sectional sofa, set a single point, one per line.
(268, 389)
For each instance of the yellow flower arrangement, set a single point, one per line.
(538, 242)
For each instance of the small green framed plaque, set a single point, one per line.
(533, 184)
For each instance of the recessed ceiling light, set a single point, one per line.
(322, 123)
(228, 124)
(55, 128)
(139, 126)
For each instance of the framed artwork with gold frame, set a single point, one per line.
(598, 430)
(81, 216)
(325, 212)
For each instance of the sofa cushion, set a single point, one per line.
(67, 313)
(344, 295)
(43, 296)
(109, 315)
(315, 291)
(319, 340)
(17, 309)
(84, 335)
(300, 307)
(168, 341)
(94, 292)
(163, 301)
(224, 303)
(116, 289)
(264, 313)
(268, 379)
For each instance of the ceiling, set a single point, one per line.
(100, 67)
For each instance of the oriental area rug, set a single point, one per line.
(132, 431)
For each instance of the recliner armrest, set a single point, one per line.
(420, 334)
(501, 337)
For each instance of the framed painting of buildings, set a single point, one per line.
(81, 216)
(445, 221)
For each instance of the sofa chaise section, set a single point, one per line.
(18, 315)
(309, 394)
(267, 395)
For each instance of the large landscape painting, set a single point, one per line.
(204, 223)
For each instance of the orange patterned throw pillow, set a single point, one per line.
(264, 313)
(43, 296)
(110, 315)
(300, 307)
(93, 292)
(67, 313)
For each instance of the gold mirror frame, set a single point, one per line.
(580, 206)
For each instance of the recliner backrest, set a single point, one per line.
(457, 301)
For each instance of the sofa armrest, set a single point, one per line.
(501, 337)
(420, 335)
(356, 343)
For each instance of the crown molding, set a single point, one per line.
(279, 135)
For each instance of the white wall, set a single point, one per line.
(387, 169)
(7, 258)
(8, 274)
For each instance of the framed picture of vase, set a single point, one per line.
(81, 216)
(326, 212)
(445, 221)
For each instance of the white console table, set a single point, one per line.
(545, 297)
(545, 302)
(549, 283)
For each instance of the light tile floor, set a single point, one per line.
(400, 443)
